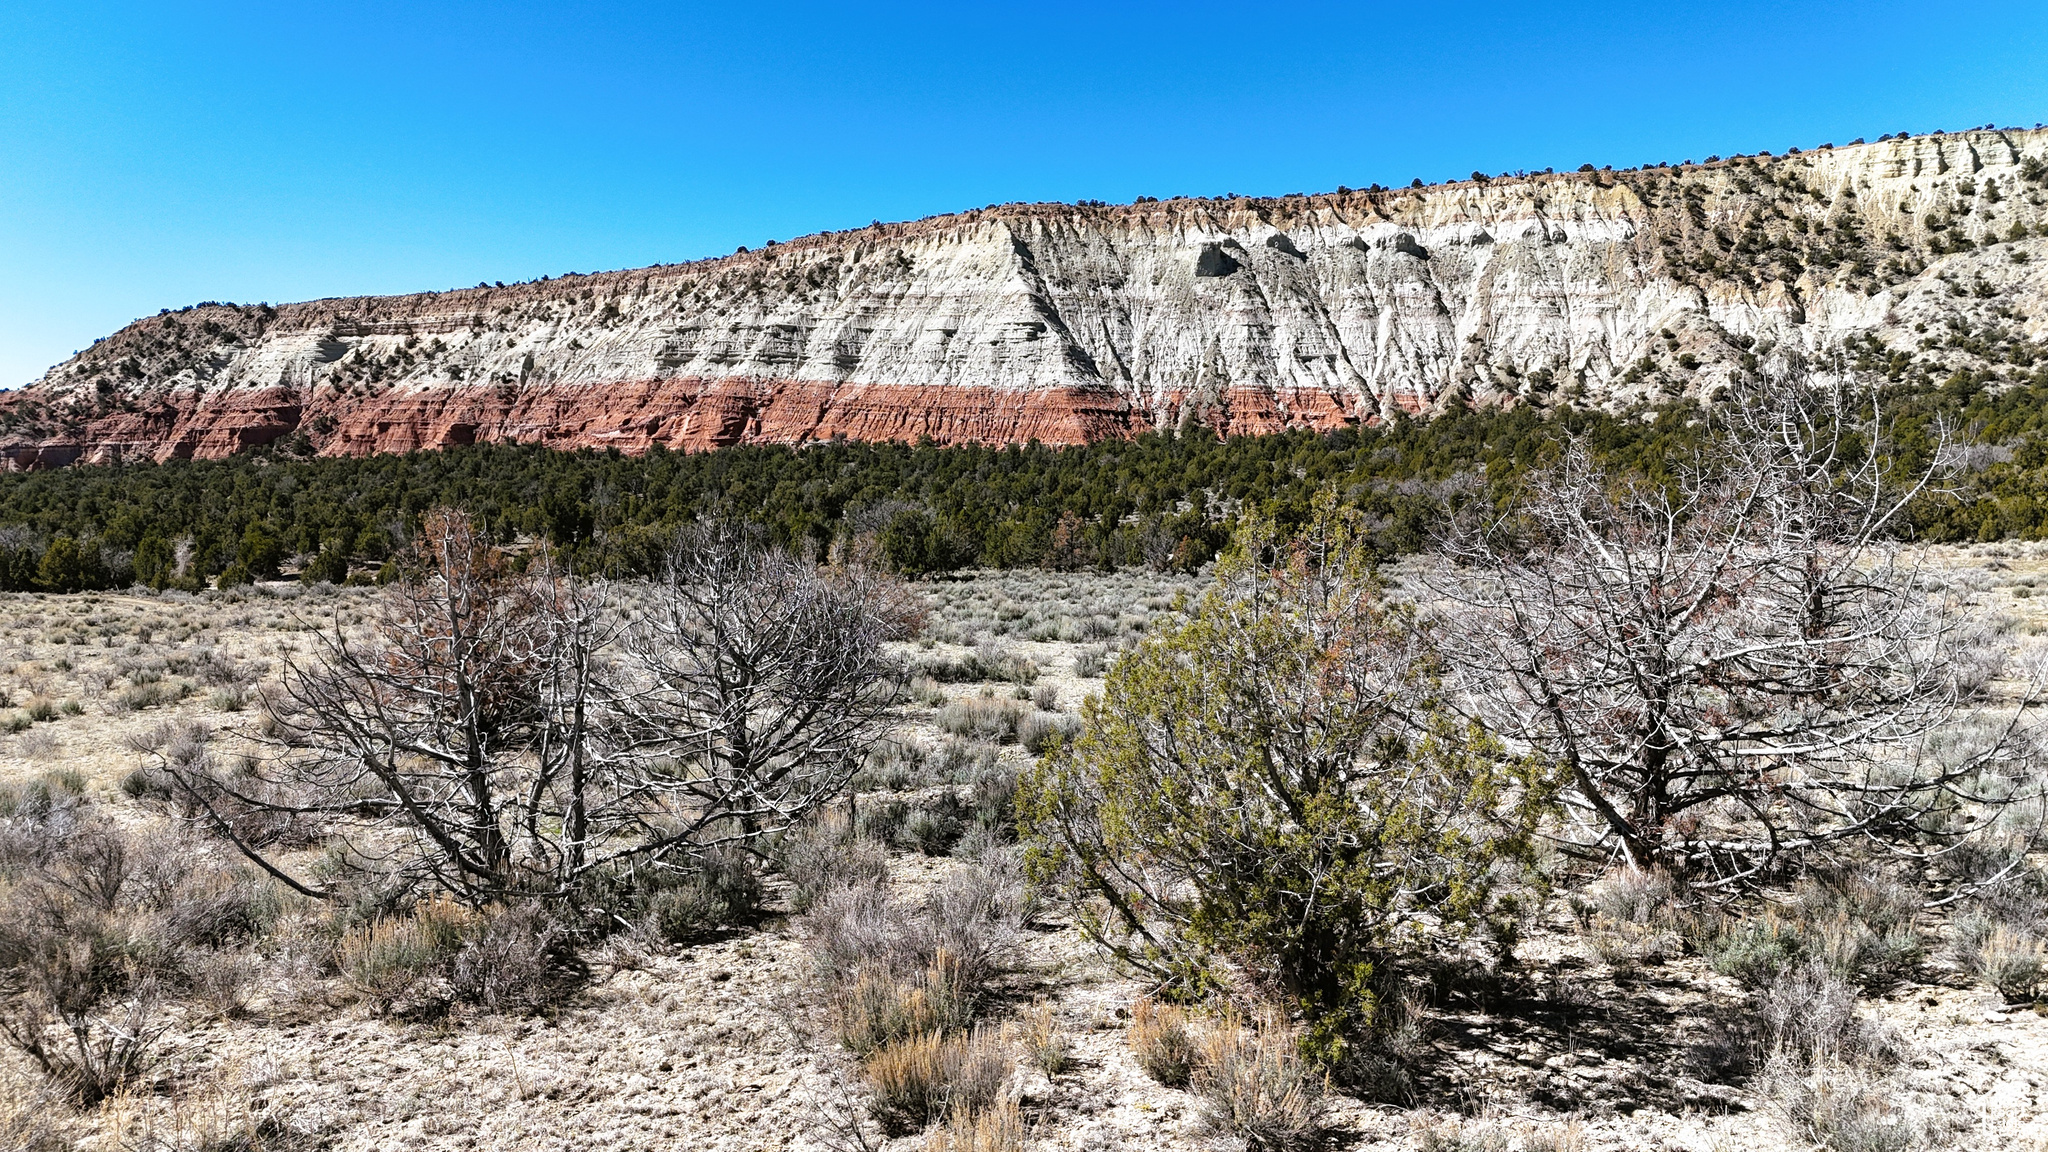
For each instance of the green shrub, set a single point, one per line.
(1361, 818)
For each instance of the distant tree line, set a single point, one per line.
(1164, 500)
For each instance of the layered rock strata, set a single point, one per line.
(1065, 323)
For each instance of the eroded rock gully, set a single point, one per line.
(1066, 323)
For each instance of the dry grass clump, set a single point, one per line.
(1162, 1042)
(2014, 962)
(921, 1078)
(1432, 1136)
(28, 1123)
(880, 1009)
(999, 1127)
(1844, 1108)
(505, 959)
(391, 958)
(1255, 1086)
(1047, 1045)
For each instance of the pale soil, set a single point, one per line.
(722, 1045)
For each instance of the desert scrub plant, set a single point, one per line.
(998, 1127)
(990, 662)
(28, 1122)
(987, 717)
(392, 959)
(717, 890)
(83, 998)
(1092, 662)
(1254, 1085)
(1861, 929)
(516, 959)
(1162, 1043)
(1360, 819)
(1037, 731)
(932, 829)
(823, 853)
(878, 1009)
(889, 970)
(995, 798)
(2013, 963)
(881, 819)
(1845, 1108)
(925, 691)
(922, 1078)
(149, 696)
(1809, 1017)
(87, 950)
(1434, 1136)
(1755, 950)
(1050, 1049)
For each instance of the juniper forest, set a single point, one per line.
(1163, 500)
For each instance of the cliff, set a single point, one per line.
(1066, 323)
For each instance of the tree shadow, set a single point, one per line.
(1568, 1038)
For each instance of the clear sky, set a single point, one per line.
(158, 154)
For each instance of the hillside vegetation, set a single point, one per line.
(1164, 501)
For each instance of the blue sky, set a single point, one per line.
(154, 155)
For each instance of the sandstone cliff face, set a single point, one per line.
(1068, 323)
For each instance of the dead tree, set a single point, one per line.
(758, 680)
(452, 744)
(1742, 669)
(426, 727)
(500, 734)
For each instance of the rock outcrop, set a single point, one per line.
(1068, 323)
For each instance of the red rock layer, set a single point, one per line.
(682, 415)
